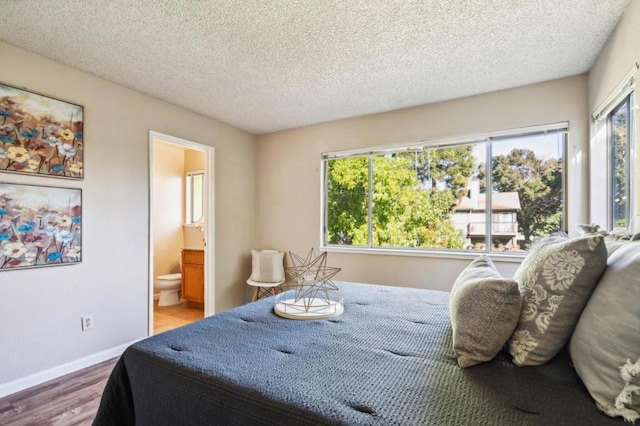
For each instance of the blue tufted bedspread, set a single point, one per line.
(388, 360)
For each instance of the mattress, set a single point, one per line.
(387, 360)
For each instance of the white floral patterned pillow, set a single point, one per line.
(556, 280)
(605, 346)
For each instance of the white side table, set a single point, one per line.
(263, 289)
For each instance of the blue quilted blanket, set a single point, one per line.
(388, 360)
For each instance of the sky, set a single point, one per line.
(544, 146)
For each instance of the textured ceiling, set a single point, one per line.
(265, 66)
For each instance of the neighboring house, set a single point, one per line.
(469, 217)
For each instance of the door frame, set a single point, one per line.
(209, 214)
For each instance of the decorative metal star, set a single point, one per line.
(312, 277)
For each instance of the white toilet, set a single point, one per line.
(169, 287)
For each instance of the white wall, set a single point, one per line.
(288, 170)
(40, 309)
(617, 58)
(168, 207)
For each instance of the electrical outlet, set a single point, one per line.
(87, 322)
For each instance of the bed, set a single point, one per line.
(388, 360)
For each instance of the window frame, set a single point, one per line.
(601, 201)
(629, 100)
(190, 220)
(497, 136)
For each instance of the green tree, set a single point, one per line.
(620, 155)
(451, 166)
(539, 186)
(406, 212)
(347, 200)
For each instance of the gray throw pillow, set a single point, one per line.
(484, 311)
(556, 280)
(605, 346)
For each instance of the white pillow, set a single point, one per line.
(267, 266)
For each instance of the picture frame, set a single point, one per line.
(40, 135)
(39, 226)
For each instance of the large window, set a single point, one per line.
(620, 153)
(435, 197)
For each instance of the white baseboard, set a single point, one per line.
(53, 373)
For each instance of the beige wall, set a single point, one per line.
(168, 207)
(194, 160)
(617, 58)
(40, 309)
(619, 54)
(288, 170)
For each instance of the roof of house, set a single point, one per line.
(500, 201)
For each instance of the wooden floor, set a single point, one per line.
(69, 400)
(74, 399)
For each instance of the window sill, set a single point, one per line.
(496, 256)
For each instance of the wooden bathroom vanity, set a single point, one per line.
(193, 275)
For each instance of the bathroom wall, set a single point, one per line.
(168, 207)
(194, 161)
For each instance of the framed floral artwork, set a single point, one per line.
(40, 135)
(39, 226)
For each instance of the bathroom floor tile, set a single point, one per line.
(169, 317)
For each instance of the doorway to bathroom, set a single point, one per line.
(181, 232)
